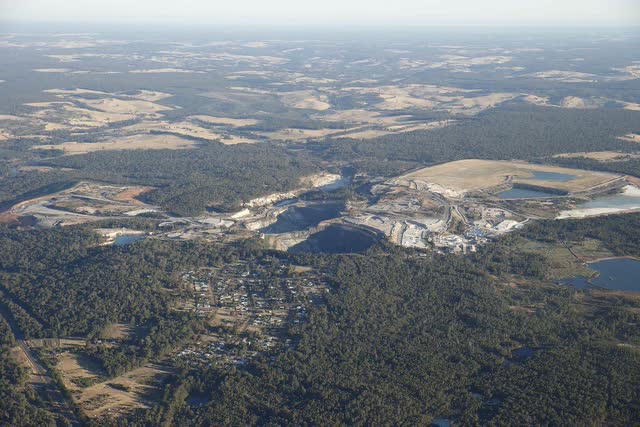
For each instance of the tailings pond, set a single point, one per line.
(527, 193)
(550, 176)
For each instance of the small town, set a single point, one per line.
(249, 307)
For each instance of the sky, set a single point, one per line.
(330, 12)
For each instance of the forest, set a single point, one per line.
(189, 181)
(516, 132)
(405, 340)
(17, 401)
(404, 337)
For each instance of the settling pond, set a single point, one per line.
(619, 274)
(550, 176)
(524, 193)
(127, 239)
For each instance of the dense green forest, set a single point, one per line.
(190, 180)
(221, 177)
(504, 133)
(404, 340)
(59, 283)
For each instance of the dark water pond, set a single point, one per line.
(550, 176)
(127, 239)
(523, 352)
(578, 282)
(28, 221)
(441, 422)
(197, 400)
(337, 239)
(522, 193)
(620, 274)
(298, 218)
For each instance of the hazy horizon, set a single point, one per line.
(359, 13)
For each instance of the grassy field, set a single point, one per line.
(135, 142)
(98, 396)
(562, 262)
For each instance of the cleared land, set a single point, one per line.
(133, 142)
(76, 91)
(474, 175)
(407, 127)
(306, 100)
(291, 134)
(164, 70)
(631, 137)
(566, 76)
(225, 121)
(120, 106)
(184, 128)
(52, 70)
(85, 202)
(562, 263)
(77, 117)
(116, 331)
(97, 397)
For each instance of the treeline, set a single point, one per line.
(191, 180)
(6, 335)
(502, 134)
(25, 323)
(629, 166)
(27, 185)
(162, 334)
